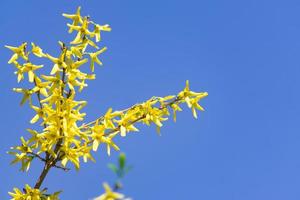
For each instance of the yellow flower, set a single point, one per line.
(40, 86)
(98, 29)
(58, 63)
(109, 194)
(195, 105)
(85, 152)
(126, 123)
(175, 108)
(109, 142)
(30, 68)
(94, 58)
(20, 71)
(72, 82)
(39, 114)
(153, 114)
(82, 31)
(98, 136)
(55, 81)
(76, 51)
(29, 194)
(75, 17)
(18, 52)
(70, 154)
(26, 94)
(85, 42)
(187, 94)
(36, 50)
(54, 98)
(107, 119)
(78, 63)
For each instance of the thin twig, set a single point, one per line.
(61, 167)
(134, 121)
(37, 156)
(38, 93)
(44, 160)
(83, 126)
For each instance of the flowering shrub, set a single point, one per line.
(62, 136)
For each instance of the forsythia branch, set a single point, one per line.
(59, 139)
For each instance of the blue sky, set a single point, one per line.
(245, 54)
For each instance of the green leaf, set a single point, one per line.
(57, 193)
(122, 160)
(113, 168)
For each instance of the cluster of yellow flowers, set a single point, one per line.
(61, 138)
(33, 194)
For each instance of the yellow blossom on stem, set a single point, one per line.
(39, 114)
(20, 71)
(94, 58)
(98, 29)
(36, 50)
(195, 104)
(75, 17)
(109, 194)
(125, 124)
(40, 86)
(30, 193)
(59, 62)
(109, 142)
(98, 132)
(18, 52)
(30, 68)
(175, 108)
(26, 94)
(83, 31)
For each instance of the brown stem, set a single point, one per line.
(101, 118)
(43, 175)
(37, 156)
(38, 94)
(51, 161)
(86, 126)
(60, 141)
